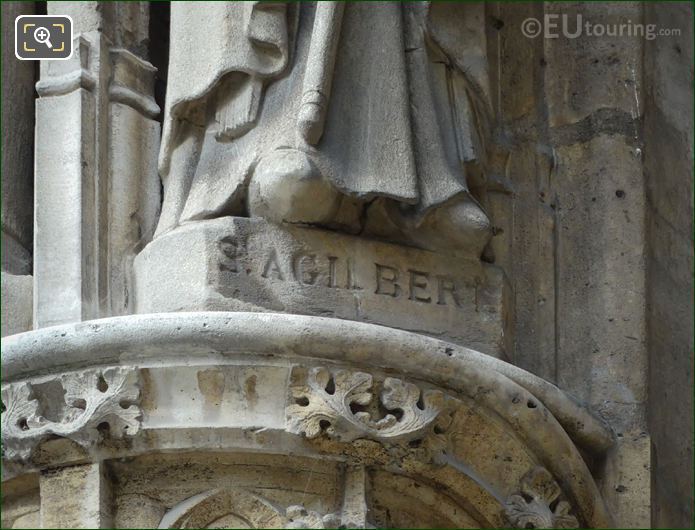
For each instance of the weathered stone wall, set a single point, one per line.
(17, 147)
(570, 220)
(668, 165)
(17, 177)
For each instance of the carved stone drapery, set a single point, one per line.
(340, 125)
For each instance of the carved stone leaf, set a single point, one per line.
(563, 519)
(533, 508)
(300, 517)
(120, 409)
(528, 514)
(91, 399)
(539, 483)
(326, 402)
(316, 405)
(358, 383)
(405, 397)
(20, 408)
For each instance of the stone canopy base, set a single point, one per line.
(193, 420)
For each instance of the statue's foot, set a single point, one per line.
(459, 226)
(287, 187)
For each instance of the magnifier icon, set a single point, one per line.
(43, 36)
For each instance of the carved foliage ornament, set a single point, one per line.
(82, 406)
(538, 505)
(340, 404)
(300, 517)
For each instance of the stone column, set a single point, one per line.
(668, 156)
(88, 505)
(594, 106)
(570, 213)
(17, 176)
(97, 192)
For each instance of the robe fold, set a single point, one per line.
(235, 80)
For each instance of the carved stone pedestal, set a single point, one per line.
(189, 420)
(242, 264)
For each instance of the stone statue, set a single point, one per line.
(354, 117)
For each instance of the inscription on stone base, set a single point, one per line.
(247, 264)
(333, 272)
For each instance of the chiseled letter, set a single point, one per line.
(331, 271)
(272, 266)
(305, 269)
(417, 286)
(229, 249)
(387, 278)
(446, 285)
